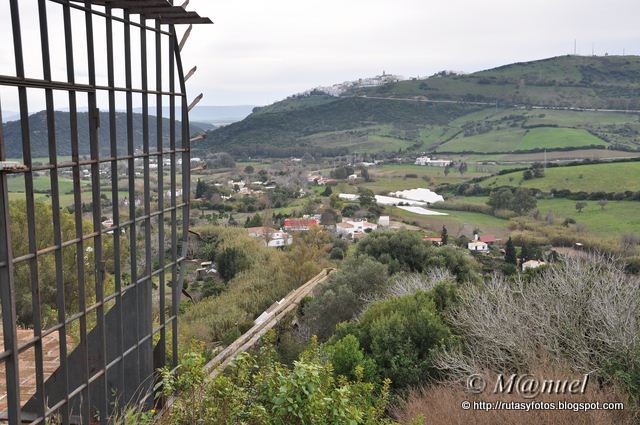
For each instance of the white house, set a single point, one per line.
(477, 245)
(271, 237)
(426, 160)
(352, 177)
(353, 228)
(384, 221)
(532, 264)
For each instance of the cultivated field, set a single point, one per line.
(614, 177)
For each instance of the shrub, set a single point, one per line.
(402, 336)
(343, 295)
(584, 312)
(260, 390)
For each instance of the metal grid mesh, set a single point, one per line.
(112, 325)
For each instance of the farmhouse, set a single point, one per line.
(532, 264)
(271, 237)
(355, 229)
(425, 160)
(489, 239)
(477, 245)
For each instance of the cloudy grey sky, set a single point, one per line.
(260, 51)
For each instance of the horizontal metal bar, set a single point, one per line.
(115, 18)
(33, 341)
(7, 80)
(87, 162)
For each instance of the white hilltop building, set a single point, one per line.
(340, 88)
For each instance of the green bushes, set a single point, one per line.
(344, 295)
(401, 335)
(404, 250)
(260, 390)
(401, 250)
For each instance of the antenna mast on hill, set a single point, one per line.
(575, 47)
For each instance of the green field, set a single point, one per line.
(40, 184)
(457, 222)
(617, 217)
(614, 177)
(519, 139)
(394, 177)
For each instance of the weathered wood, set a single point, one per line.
(276, 312)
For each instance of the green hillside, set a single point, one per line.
(523, 113)
(613, 177)
(611, 82)
(12, 133)
(332, 127)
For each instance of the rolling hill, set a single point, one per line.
(39, 135)
(552, 104)
(610, 177)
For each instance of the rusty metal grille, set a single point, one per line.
(90, 265)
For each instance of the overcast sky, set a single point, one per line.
(261, 51)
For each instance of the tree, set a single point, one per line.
(603, 203)
(328, 217)
(364, 173)
(500, 199)
(523, 201)
(255, 221)
(527, 175)
(580, 206)
(447, 170)
(47, 285)
(201, 189)
(249, 169)
(444, 235)
(538, 170)
(327, 191)
(525, 254)
(510, 253)
(366, 197)
(463, 167)
(231, 261)
(344, 295)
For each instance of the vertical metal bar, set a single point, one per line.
(132, 187)
(147, 286)
(94, 119)
(7, 296)
(186, 160)
(175, 293)
(37, 320)
(160, 148)
(73, 117)
(115, 201)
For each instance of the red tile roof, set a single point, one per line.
(488, 239)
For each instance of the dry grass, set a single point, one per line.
(441, 405)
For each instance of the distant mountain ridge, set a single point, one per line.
(12, 133)
(428, 114)
(215, 115)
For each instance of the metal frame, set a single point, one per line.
(115, 355)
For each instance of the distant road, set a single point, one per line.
(493, 104)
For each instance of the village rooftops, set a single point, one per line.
(299, 224)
